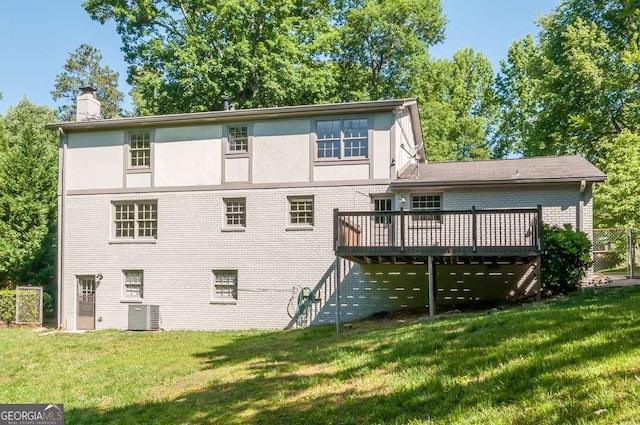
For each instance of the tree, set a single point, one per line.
(83, 69)
(516, 93)
(583, 77)
(184, 55)
(28, 180)
(381, 44)
(458, 106)
(618, 199)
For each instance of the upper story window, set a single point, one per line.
(301, 211)
(136, 220)
(235, 212)
(139, 149)
(238, 139)
(346, 138)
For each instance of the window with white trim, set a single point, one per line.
(235, 212)
(426, 205)
(225, 285)
(135, 220)
(133, 284)
(301, 211)
(345, 138)
(238, 139)
(139, 149)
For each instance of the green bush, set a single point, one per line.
(47, 303)
(565, 259)
(7, 306)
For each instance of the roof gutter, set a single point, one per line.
(511, 182)
(234, 115)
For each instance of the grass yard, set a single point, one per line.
(571, 361)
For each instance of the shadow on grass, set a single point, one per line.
(443, 371)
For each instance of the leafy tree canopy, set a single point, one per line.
(83, 69)
(618, 199)
(576, 89)
(457, 106)
(28, 179)
(183, 55)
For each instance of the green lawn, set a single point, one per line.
(570, 361)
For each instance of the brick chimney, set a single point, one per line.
(87, 107)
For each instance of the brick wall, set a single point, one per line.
(273, 263)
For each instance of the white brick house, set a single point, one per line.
(223, 218)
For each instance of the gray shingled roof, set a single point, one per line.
(501, 171)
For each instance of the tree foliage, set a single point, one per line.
(183, 55)
(83, 69)
(28, 180)
(457, 106)
(618, 199)
(376, 54)
(576, 89)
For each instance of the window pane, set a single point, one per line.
(124, 220)
(147, 220)
(226, 284)
(356, 148)
(133, 284)
(328, 139)
(235, 212)
(301, 211)
(140, 148)
(426, 203)
(238, 139)
(356, 133)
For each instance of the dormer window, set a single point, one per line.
(342, 139)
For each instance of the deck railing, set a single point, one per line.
(473, 231)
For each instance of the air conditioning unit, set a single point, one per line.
(144, 317)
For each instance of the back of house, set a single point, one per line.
(238, 219)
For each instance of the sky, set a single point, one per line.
(38, 36)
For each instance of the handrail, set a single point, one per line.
(473, 229)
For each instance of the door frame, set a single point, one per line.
(79, 281)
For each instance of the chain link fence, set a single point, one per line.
(29, 305)
(615, 252)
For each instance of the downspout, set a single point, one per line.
(62, 151)
(580, 218)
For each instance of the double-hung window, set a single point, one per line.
(139, 149)
(133, 284)
(424, 208)
(301, 211)
(238, 140)
(225, 285)
(342, 139)
(135, 220)
(235, 212)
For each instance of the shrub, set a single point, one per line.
(7, 306)
(565, 259)
(47, 303)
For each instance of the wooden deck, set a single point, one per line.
(398, 237)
